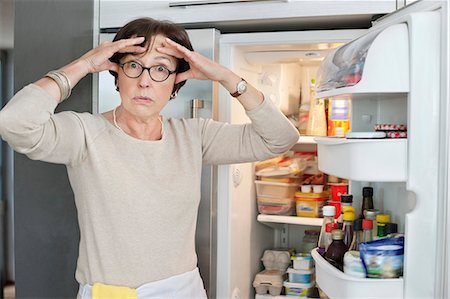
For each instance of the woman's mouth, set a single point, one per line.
(142, 99)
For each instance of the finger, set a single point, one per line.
(132, 49)
(123, 43)
(178, 47)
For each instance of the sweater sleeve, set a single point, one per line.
(30, 126)
(269, 134)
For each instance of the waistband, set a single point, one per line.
(185, 285)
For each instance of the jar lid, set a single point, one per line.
(367, 224)
(348, 216)
(367, 191)
(337, 234)
(347, 198)
(348, 209)
(329, 211)
(385, 218)
(371, 213)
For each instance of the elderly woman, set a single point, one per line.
(137, 234)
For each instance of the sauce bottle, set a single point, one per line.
(372, 215)
(346, 201)
(382, 219)
(349, 217)
(337, 249)
(328, 217)
(367, 202)
(367, 226)
(357, 235)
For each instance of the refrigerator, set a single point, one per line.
(403, 80)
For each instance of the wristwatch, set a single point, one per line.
(241, 88)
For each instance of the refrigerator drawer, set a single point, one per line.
(337, 284)
(373, 160)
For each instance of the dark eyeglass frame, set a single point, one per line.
(148, 69)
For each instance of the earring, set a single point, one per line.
(173, 95)
(117, 87)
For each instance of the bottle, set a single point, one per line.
(346, 201)
(357, 235)
(390, 229)
(367, 226)
(328, 229)
(371, 215)
(347, 228)
(337, 249)
(310, 240)
(367, 202)
(382, 219)
(339, 115)
(328, 217)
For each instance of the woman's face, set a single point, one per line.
(142, 96)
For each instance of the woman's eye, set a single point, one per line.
(134, 65)
(161, 68)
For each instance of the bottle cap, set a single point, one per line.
(367, 224)
(337, 234)
(357, 225)
(348, 216)
(383, 218)
(371, 214)
(329, 211)
(390, 228)
(346, 198)
(367, 191)
(348, 209)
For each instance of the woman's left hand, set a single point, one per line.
(201, 68)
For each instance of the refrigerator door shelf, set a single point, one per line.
(337, 284)
(375, 63)
(306, 140)
(370, 160)
(277, 222)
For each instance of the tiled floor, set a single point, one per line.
(9, 292)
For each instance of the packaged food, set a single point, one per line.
(310, 204)
(353, 265)
(300, 276)
(296, 289)
(302, 261)
(390, 127)
(383, 258)
(276, 205)
(337, 189)
(276, 259)
(397, 134)
(272, 189)
(339, 115)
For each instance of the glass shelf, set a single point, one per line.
(277, 222)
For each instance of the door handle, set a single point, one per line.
(196, 104)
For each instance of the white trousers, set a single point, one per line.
(188, 285)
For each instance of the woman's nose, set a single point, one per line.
(144, 79)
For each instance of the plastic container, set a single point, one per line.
(310, 204)
(309, 240)
(272, 189)
(276, 206)
(300, 276)
(269, 281)
(337, 284)
(302, 261)
(337, 189)
(296, 289)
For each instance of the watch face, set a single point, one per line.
(242, 87)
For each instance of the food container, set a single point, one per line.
(281, 179)
(271, 189)
(302, 261)
(337, 189)
(306, 188)
(276, 206)
(300, 276)
(310, 204)
(296, 289)
(276, 260)
(269, 281)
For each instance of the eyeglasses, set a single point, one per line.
(158, 73)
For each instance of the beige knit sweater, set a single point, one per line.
(137, 200)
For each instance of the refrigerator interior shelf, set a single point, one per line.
(372, 160)
(267, 296)
(277, 222)
(337, 284)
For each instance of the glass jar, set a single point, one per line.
(310, 240)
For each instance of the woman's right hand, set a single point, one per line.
(97, 59)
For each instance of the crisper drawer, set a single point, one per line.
(373, 160)
(337, 284)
